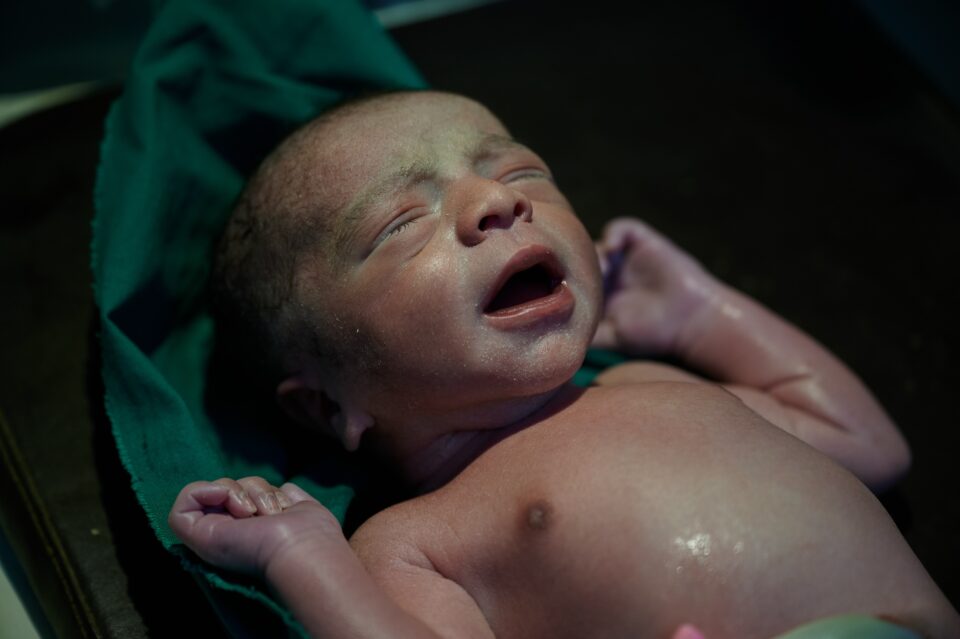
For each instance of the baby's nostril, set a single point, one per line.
(502, 219)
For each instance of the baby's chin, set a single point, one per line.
(540, 367)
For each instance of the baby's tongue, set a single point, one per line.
(523, 287)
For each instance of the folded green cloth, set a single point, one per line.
(214, 86)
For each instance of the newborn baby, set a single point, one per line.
(412, 279)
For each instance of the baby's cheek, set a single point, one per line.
(585, 276)
(423, 306)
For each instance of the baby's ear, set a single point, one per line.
(306, 402)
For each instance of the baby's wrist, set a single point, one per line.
(710, 301)
(691, 306)
(295, 557)
(311, 532)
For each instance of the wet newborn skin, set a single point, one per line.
(466, 292)
(633, 509)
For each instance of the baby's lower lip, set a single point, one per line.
(555, 307)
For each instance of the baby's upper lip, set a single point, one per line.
(523, 259)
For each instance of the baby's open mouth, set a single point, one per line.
(531, 275)
(527, 285)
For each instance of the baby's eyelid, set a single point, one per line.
(399, 222)
(525, 173)
(399, 227)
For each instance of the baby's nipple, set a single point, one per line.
(538, 515)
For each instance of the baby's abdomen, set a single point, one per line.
(679, 506)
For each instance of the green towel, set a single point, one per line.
(214, 86)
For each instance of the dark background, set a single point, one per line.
(794, 149)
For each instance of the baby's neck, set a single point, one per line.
(432, 465)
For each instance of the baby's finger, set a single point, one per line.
(266, 496)
(295, 494)
(239, 503)
(207, 494)
(623, 232)
(191, 504)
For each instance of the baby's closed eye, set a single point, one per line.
(403, 222)
(526, 174)
(396, 230)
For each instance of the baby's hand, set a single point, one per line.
(653, 289)
(244, 525)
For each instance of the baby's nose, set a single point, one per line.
(491, 205)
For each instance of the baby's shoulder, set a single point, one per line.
(396, 533)
(650, 381)
(647, 390)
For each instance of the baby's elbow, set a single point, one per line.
(878, 457)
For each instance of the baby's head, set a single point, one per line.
(402, 265)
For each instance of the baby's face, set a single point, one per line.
(461, 275)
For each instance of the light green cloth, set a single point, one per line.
(213, 87)
(850, 627)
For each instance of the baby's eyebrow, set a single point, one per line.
(493, 143)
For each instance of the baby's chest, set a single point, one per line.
(629, 524)
(560, 541)
(633, 523)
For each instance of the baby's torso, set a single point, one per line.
(636, 509)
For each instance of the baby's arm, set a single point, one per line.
(296, 545)
(662, 302)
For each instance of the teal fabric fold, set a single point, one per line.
(596, 361)
(213, 87)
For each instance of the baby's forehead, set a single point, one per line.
(392, 130)
(339, 158)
